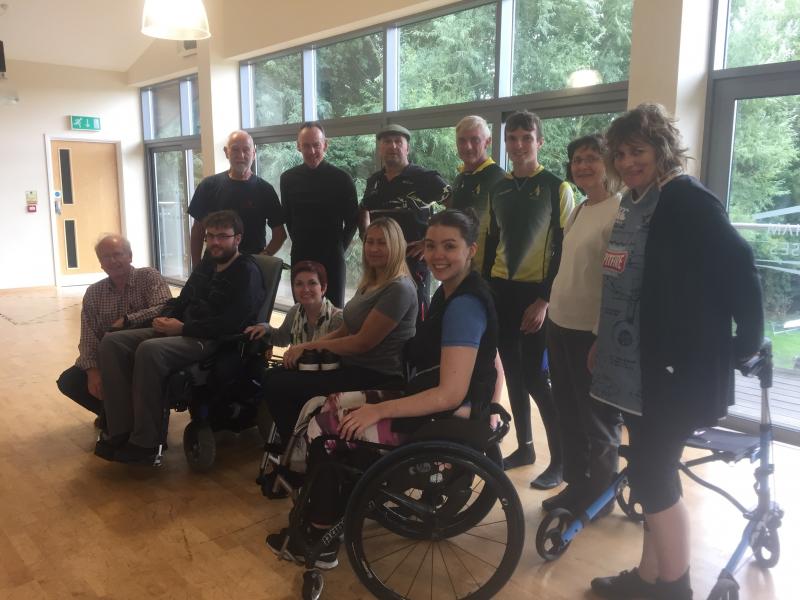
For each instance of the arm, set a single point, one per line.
(196, 241)
(455, 372)
(350, 213)
(90, 334)
(363, 221)
(156, 294)
(282, 336)
(278, 237)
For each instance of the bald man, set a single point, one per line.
(240, 190)
(127, 298)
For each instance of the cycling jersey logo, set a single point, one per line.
(615, 261)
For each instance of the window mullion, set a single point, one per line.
(246, 95)
(392, 69)
(309, 77)
(504, 48)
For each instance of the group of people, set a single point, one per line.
(617, 310)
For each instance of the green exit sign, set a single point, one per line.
(84, 123)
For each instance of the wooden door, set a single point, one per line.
(87, 204)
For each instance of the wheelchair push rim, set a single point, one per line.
(456, 545)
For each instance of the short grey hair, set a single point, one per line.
(472, 122)
(126, 245)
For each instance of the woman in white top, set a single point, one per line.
(590, 430)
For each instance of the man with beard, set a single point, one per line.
(221, 297)
(406, 193)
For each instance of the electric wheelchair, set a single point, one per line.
(223, 392)
(436, 517)
(560, 527)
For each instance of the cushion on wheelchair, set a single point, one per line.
(732, 445)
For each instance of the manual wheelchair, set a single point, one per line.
(436, 517)
(560, 527)
(223, 392)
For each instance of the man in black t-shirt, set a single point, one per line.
(406, 193)
(320, 208)
(241, 191)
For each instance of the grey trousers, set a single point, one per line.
(134, 366)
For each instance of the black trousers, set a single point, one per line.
(332, 258)
(590, 430)
(522, 355)
(286, 391)
(422, 279)
(73, 383)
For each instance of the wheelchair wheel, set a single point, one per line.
(264, 422)
(767, 547)
(434, 518)
(629, 505)
(199, 446)
(549, 541)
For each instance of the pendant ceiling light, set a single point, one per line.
(175, 19)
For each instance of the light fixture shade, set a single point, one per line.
(175, 19)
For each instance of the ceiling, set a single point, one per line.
(95, 34)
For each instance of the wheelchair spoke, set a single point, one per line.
(483, 537)
(397, 566)
(421, 562)
(472, 554)
(393, 552)
(458, 558)
(449, 575)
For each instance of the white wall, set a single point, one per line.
(48, 94)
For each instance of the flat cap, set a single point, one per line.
(393, 129)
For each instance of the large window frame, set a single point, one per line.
(726, 87)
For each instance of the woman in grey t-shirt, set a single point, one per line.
(378, 320)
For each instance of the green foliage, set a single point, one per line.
(278, 91)
(350, 77)
(449, 59)
(556, 37)
(762, 32)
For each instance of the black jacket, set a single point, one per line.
(699, 276)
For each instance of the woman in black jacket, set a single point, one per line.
(676, 275)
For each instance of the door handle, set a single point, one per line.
(57, 206)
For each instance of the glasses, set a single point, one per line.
(588, 160)
(210, 237)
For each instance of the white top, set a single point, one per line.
(575, 297)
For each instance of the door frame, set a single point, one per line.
(86, 278)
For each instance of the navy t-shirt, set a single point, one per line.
(254, 200)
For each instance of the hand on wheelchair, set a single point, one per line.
(293, 354)
(255, 332)
(357, 420)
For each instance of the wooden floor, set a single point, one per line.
(74, 526)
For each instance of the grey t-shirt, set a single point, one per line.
(396, 300)
(617, 376)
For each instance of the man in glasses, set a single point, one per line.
(129, 297)
(242, 191)
(221, 297)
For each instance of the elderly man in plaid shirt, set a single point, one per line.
(127, 298)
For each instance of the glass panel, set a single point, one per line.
(277, 91)
(436, 149)
(569, 43)
(167, 110)
(356, 155)
(172, 218)
(197, 168)
(762, 32)
(195, 122)
(448, 59)
(65, 165)
(71, 242)
(561, 131)
(350, 77)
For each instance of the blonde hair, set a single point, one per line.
(396, 263)
(473, 122)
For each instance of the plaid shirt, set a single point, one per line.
(139, 302)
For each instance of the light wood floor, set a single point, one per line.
(74, 526)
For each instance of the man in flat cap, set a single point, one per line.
(406, 193)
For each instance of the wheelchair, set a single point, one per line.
(436, 517)
(223, 392)
(560, 527)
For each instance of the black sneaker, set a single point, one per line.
(548, 479)
(309, 361)
(328, 361)
(570, 498)
(626, 585)
(520, 457)
(107, 446)
(297, 548)
(135, 455)
(679, 589)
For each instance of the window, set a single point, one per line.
(171, 109)
(449, 59)
(277, 91)
(435, 149)
(167, 111)
(558, 133)
(762, 32)
(570, 43)
(350, 77)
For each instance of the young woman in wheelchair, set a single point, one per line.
(452, 355)
(377, 322)
(676, 275)
(313, 317)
